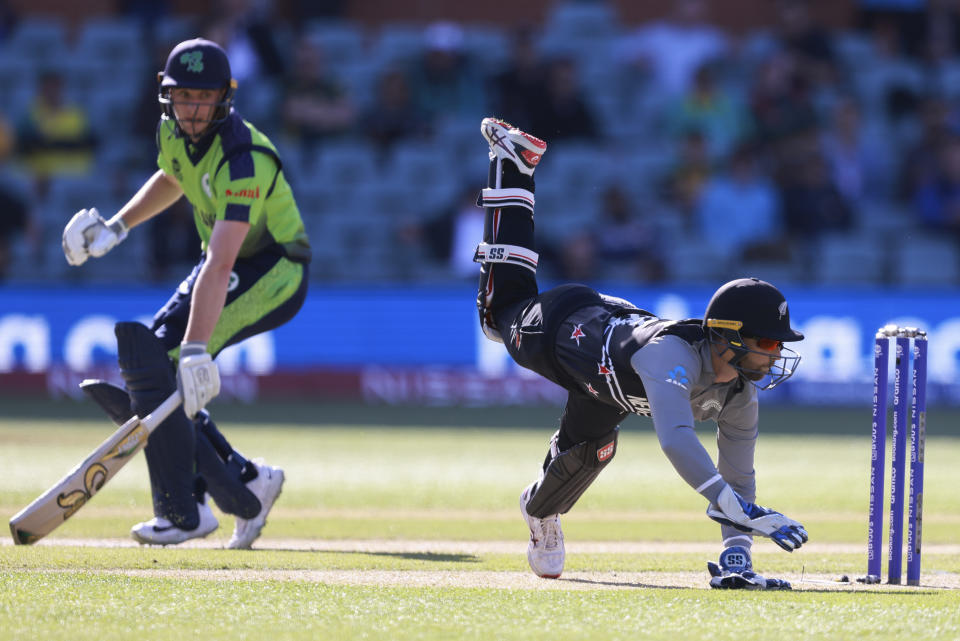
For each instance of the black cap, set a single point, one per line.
(197, 64)
(752, 307)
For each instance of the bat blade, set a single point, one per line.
(69, 494)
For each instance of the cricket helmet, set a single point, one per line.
(752, 308)
(197, 64)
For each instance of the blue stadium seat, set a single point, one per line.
(116, 41)
(924, 260)
(428, 169)
(398, 43)
(349, 163)
(40, 40)
(849, 259)
(590, 19)
(341, 40)
(695, 261)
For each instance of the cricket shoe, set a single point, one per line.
(509, 143)
(160, 531)
(545, 552)
(266, 487)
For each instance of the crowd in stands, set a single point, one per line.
(678, 151)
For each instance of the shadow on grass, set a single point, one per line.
(432, 557)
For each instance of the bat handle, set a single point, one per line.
(165, 409)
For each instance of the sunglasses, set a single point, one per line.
(768, 344)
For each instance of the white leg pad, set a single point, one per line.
(493, 198)
(514, 254)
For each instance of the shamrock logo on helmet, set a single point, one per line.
(193, 61)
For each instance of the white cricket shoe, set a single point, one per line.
(160, 531)
(509, 143)
(545, 551)
(265, 487)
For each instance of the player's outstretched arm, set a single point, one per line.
(88, 234)
(731, 509)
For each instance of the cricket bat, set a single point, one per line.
(71, 493)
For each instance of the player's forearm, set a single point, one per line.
(209, 296)
(157, 194)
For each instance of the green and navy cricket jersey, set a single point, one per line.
(236, 174)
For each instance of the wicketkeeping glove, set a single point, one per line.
(731, 509)
(735, 572)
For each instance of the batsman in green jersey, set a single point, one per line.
(252, 277)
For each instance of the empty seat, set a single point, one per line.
(115, 41)
(341, 40)
(693, 260)
(926, 260)
(350, 163)
(849, 259)
(40, 40)
(589, 19)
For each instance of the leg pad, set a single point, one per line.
(568, 474)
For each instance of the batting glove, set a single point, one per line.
(198, 377)
(731, 509)
(88, 234)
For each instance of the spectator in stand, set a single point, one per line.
(15, 215)
(518, 90)
(451, 237)
(712, 111)
(812, 203)
(444, 81)
(937, 200)
(394, 115)
(859, 164)
(316, 105)
(244, 29)
(781, 103)
(739, 211)
(684, 182)
(55, 136)
(673, 49)
(627, 245)
(563, 112)
(920, 162)
(807, 40)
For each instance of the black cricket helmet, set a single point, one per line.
(197, 64)
(752, 308)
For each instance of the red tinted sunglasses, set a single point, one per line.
(769, 344)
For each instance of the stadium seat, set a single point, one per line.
(397, 43)
(116, 41)
(342, 41)
(590, 19)
(420, 165)
(694, 261)
(40, 41)
(347, 164)
(849, 259)
(920, 260)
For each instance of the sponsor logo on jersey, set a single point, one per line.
(678, 376)
(605, 452)
(639, 404)
(577, 333)
(244, 193)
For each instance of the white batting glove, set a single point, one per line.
(198, 377)
(731, 509)
(88, 234)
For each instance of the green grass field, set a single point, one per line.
(403, 524)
